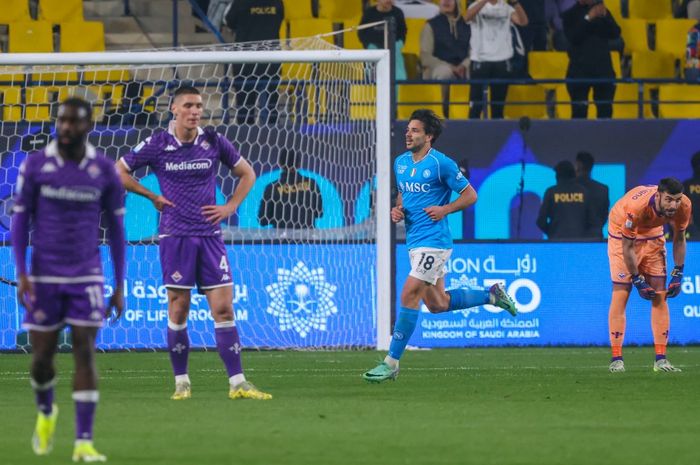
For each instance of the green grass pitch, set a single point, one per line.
(468, 406)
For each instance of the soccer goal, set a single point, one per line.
(306, 276)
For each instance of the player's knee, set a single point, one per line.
(222, 312)
(42, 370)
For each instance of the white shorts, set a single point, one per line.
(428, 264)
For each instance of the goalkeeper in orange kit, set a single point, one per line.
(637, 253)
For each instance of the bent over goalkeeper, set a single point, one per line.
(185, 161)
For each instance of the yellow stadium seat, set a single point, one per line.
(459, 101)
(411, 97)
(627, 93)
(630, 93)
(30, 37)
(297, 9)
(414, 26)
(548, 65)
(310, 27)
(12, 75)
(339, 10)
(672, 36)
(14, 11)
(652, 65)
(634, 32)
(52, 78)
(363, 102)
(615, 9)
(517, 94)
(37, 104)
(11, 99)
(61, 11)
(350, 38)
(85, 36)
(649, 9)
(105, 75)
(669, 93)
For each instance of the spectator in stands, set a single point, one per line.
(491, 50)
(598, 193)
(417, 8)
(534, 35)
(256, 20)
(588, 27)
(686, 9)
(552, 13)
(691, 188)
(692, 53)
(444, 44)
(566, 209)
(373, 37)
(292, 202)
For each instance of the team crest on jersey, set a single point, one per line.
(94, 171)
(39, 315)
(176, 276)
(401, 169)
(426, 174)
(205, 145)
(301, 299)
(48, 167)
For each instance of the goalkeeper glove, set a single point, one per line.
(645, 290)
(674, 286)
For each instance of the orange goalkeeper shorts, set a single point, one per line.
(651, 259)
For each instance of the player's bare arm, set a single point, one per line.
(132, 185)
(465, 200)
(397, 212)
(679, 247)
(246, 178)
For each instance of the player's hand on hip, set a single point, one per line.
(161, 202)
(116, 304)
(397, 214)
(216, 213)
(436, 213)
(674, 286)
(645, 290)
(25, 292)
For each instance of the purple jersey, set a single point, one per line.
(187, 177)
(65, 200)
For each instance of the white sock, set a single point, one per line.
(235, 380)
(182, 379)
(391, 361)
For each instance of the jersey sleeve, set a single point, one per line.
(630, 223)
(452, 176)
(25, 189)
(142, 155)
(228, 154)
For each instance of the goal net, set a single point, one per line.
(308, 253)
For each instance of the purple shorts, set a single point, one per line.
(57, 305)
(189, 261)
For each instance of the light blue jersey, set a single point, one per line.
(428, 183)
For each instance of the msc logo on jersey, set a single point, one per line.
(414, 187)
(301, 299)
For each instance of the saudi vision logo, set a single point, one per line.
(301, 299)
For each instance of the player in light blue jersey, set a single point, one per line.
(426, 179)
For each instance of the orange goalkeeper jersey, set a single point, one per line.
(634, 216)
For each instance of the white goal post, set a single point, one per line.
(379, 59)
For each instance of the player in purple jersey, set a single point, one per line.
(62, 191)
(185, 159)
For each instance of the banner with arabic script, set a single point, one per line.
(562, 291)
